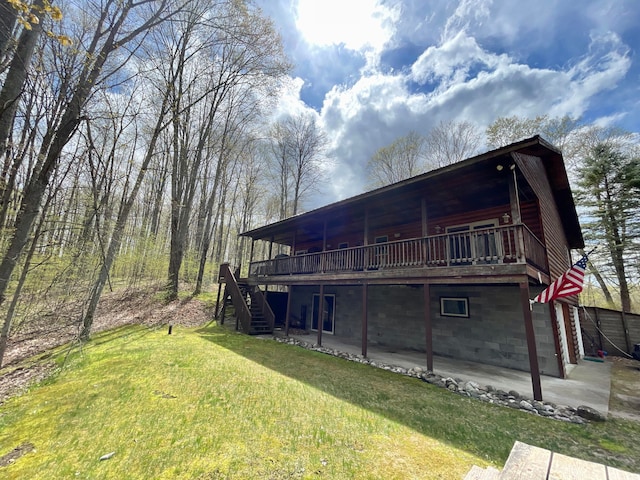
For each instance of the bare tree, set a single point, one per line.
(114, 29)
(16, 77)
(403, 158)
(298, 146)
(280, 168)
(247, 55)
(451, 142)
(307, 146)
(557, 130)
(128, 199)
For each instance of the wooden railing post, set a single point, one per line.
(522, 257)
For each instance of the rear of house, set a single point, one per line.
(442, 263)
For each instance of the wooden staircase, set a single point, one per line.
(259, 323)
(252, 312)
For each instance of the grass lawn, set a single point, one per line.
(208, 403)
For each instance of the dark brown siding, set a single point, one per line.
(552, 231)
(469, 217)
(531, 217)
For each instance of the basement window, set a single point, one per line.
(454, 307)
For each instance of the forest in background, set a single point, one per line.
(138, 139)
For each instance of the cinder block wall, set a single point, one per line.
(493, 334)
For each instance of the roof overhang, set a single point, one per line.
(281, 232)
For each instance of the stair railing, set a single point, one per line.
(243, 315)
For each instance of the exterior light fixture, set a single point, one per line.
(505, 218)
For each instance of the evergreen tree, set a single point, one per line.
(609, 189)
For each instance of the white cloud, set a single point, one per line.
(475, 60)
(289, 102)
(379, 108)
(466, 14)
(358, 24)
(452, 61)
(606, 64)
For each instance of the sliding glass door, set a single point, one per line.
(327, 313)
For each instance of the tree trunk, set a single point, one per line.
(600, 280)
(8, 20)
(118, 230)
(4, 335)
(17, 75)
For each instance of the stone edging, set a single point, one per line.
(511, 399)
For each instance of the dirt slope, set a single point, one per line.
(141, 306)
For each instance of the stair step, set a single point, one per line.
(526, 461)
(477, 473)
(260, 332)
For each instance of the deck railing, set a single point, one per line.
(243, 315)
(507, 244)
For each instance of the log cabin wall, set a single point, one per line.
(552, 230)
(466, 218)
(530, 212)
(530, 217)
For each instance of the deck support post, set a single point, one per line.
(224, 307)
(531, 341)
(320, 315)
(427, 326)
(288, 314)
(365, 314)
(218, 301)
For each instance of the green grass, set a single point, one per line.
(209, 403)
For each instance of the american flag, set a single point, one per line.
(569, 283)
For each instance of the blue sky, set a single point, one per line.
(372, 70)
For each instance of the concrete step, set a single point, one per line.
(527, 461)
(477, 473)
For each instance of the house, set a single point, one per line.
(444, 263)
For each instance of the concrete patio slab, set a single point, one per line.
(588, 383)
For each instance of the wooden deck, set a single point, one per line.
(506, 244)
(533, 463)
